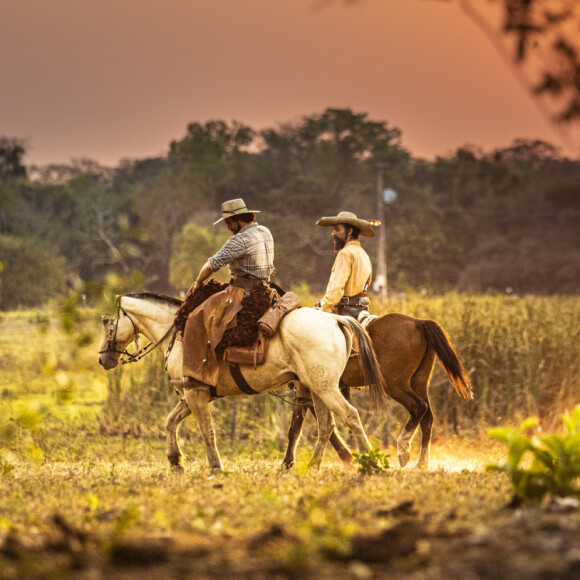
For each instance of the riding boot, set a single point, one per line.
(365, 318)
(186, 383)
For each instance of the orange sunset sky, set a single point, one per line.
(114, 79)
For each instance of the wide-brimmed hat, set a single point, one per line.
(234, 207)
(347, 217)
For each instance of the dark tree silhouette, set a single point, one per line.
(12, 152)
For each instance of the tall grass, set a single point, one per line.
(522, 355)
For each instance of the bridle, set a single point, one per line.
(112, 343)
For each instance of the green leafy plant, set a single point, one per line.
(555, 459)
(371, 462)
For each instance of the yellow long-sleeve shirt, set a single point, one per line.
(351, 271)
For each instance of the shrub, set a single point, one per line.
(31, 273)
(371, 462)
(555, 460)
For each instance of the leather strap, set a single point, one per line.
(246, 282)
(241, 381)
(353, 300)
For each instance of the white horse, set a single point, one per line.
(310, 345)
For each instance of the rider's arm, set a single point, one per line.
(233, 247)
(205, 272)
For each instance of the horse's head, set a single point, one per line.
(118, 332)
(137, 313)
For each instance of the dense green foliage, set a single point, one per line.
(555, 459)
(472, 220)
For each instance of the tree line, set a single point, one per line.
(474, 221)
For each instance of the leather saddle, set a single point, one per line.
(226, 327)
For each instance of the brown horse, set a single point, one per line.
(406, 349)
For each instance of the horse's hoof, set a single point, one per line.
(404, 457)
(287, 466)
(176, 468)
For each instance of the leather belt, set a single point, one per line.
(246, 282)
(358, 300)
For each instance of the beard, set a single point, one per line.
(338, 243)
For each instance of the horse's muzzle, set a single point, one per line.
(108, 362)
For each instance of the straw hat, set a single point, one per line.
(347, 217)
(234, 207)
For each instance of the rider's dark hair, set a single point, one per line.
(354, 231)
(246, 218)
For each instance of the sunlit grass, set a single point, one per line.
(113, 476)
(454, 454)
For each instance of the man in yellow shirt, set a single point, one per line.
(346, 293)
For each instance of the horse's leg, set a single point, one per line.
(298, 413)
(420, 385)
(298, 416)
(198, 400)
(416, 407)
(341, 447)
(336, 403)
(326, 426)
(174, 419)
(337, 441)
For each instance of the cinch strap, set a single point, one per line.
(240, 381)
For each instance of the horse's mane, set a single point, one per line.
(155, 297)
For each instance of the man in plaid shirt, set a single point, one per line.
(249, 252)
(250, 256)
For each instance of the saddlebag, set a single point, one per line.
(269, 323)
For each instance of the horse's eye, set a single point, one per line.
(105, 319)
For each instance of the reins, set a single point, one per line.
(294, 404)
(137, 356)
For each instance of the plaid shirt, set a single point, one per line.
(250, 252)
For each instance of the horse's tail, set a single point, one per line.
(370, 367)
(437, 339)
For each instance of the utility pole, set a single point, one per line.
(380, 281)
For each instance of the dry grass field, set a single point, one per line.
(86, 491)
